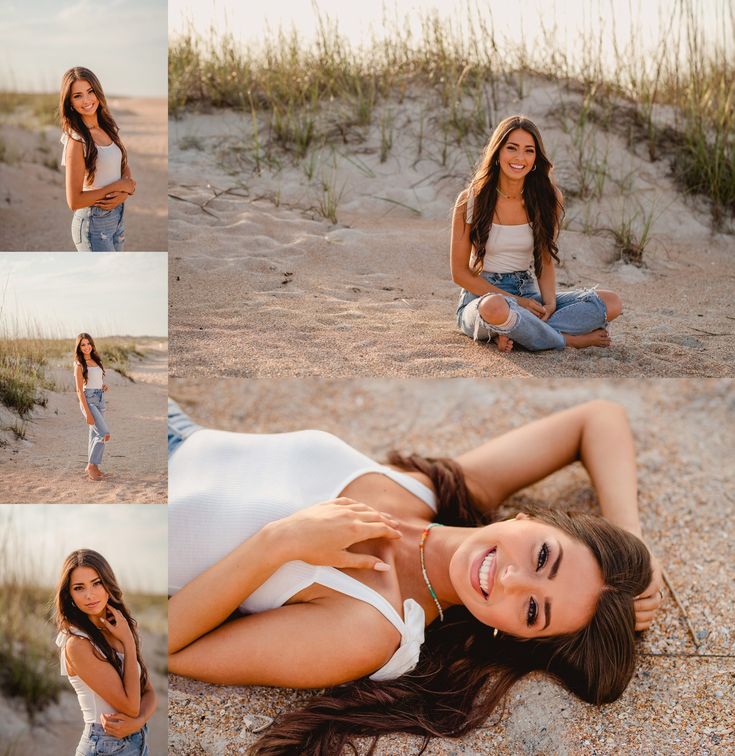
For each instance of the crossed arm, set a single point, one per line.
(77, 198)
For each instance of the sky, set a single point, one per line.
(57, 295)
(132, 538)
(123, 41)
(516, 20)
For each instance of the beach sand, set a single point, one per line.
(33, 210)
(59, 727)
(263, 285)
(48, 465)
(680, 695)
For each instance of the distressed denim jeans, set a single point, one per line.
(577, 312)
(180, 426)
(97, 432)
(97, 230)
(96, 742)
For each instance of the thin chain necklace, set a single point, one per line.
(507, 196)
(424, 536)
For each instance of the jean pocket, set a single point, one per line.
(78, 229)
(108, 746)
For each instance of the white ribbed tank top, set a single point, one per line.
(508, 248)
(224, 487)
(94, 378)
(91, 704)
(108, 167)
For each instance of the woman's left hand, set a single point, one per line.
(550, 307)
(111, 201)
(120, 725)
(647, 604)
(105, 387)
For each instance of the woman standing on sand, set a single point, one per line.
(98, 177)
(429, 625)
(504, 224)
(100, 654)
(88, 381)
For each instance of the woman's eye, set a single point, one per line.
(532, 612)
(543, 556)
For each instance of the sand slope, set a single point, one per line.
(33, 210)
(679, 698)
(262, 284)
(48, 466)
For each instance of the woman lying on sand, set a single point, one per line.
(341, 591)
(88, 380)
(506, 223)
(100, 654)
(98, 178)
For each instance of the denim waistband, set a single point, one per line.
(93, 391)
(95, 728)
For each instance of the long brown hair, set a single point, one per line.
(542, 204)
(72, 123)
(69, 616)
(464, 670)
(92, 355)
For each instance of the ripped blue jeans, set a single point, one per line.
(577, 312)
(96, 230)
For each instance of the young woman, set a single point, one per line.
(98, 177)
(365, 587)
(89, 382)
(100, 654)
(505, 224)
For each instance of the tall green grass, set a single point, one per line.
(309, 94)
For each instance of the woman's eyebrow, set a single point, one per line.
(555, 567)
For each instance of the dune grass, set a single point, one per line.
(24, 364)
(42, 106)
(310, 95)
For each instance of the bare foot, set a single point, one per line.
(598, 338)
(106, 438)
(504, 343)
(93, 472)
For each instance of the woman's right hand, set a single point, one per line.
(90, 419)
(532, 306)
(117, 625)
(128, 185)
(322, 533)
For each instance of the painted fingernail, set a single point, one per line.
(381, 567)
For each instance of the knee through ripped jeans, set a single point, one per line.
(579, 311)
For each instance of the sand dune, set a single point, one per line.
(48, 466)
(33, 210)
(261, 284)
(683, 429)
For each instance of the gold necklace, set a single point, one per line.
(507, 196)
(424, 536)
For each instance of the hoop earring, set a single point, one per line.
(495, 632)
(534, 167)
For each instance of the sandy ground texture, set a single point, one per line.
(48, 465)
(263, 285)
(58, 728)
(33, 210)
(680, 696)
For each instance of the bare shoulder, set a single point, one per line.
(78, 648)
(462, 198)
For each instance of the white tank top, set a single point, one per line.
(224, 487)
(92, 704)
(108, 167)
(508, 248)
(94, 378)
